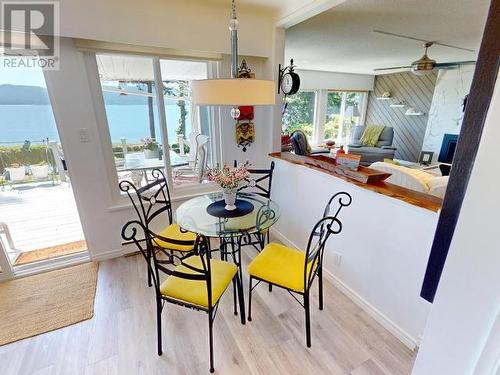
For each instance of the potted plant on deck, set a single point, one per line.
(229, 179)
(16, 172)
(40, 170)
(151, 148)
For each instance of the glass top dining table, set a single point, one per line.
(192, 215)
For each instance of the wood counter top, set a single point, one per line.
(412, 197)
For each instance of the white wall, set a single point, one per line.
(182, 24)
(384, 244)
(73, 109)
(467, 302)
(314, 80)
(445, 114)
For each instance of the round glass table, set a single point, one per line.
(192, 216)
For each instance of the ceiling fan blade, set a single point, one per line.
(454, 63)
(393, 68)
(420, 40)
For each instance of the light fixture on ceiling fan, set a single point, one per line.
(233, 91)
(425, 65)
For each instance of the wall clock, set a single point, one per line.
(289, 81)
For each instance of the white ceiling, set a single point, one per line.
(281, 8)
(272, 4)
(341, 38)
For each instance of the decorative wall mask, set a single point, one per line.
(245, 128)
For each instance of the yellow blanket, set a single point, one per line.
(371, 135)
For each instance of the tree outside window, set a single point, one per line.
(299, 113)
(342, 114)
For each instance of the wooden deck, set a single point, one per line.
(40, 215)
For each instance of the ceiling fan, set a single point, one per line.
(425, 64)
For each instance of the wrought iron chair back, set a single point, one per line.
(151, 200)
(323, 229)
(344, 199)
(260, 181)
(165, 262)
(316, 246)
(264, 214)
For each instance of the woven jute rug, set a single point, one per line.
(45, 302)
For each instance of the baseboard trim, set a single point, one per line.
(108, 254)
(403, 336)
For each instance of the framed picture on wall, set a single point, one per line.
(426, 157)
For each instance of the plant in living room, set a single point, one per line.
(229, 179)
(151, 148)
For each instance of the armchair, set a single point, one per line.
(369, 155)
(300, 145)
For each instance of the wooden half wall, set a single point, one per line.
(415, 91)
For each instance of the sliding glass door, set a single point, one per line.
(39, 219)
(6, 271)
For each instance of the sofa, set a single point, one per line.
(414, 179)
(369, 155)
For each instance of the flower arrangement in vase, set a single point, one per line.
(229, 179)
(151, 148)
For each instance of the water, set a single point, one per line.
(36, 122)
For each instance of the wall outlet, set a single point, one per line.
(83, 135)
(337, 259)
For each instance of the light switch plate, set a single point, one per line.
(337, 259)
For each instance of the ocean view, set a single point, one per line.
(36, 122)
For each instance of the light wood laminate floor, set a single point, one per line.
(121, 337)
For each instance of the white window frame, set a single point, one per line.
(119, 201)
(321, 105)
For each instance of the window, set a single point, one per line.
(299, 113)
(189, 132)
(180, 144)
(342, 114)
(324, 114)
(130, 101)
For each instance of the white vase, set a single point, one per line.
(230, 198)
(151, 154)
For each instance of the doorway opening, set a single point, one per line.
(39, 218)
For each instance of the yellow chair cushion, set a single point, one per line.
(195, 291)
(280, 265)
(173, 231)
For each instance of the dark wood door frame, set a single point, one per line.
(478, 103)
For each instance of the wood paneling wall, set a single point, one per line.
(416, 91)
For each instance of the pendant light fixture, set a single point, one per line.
(233, 91)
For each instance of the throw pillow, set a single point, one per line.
(371, 135)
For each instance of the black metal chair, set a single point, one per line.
(153, 205)
(259, 182)
(295, 270)
(194, 280)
